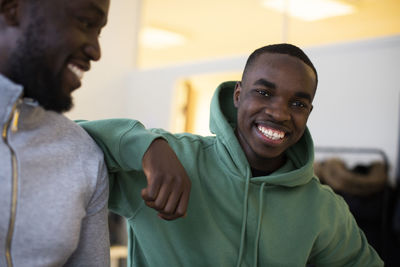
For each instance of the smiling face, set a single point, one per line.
(58, 40)
(274, 101)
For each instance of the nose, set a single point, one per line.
(278, 111)
(92, 49)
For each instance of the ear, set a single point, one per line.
(236, 94)
(9, 11)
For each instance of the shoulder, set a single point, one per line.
(90, 161)
(69, 132)
(79, 150)
(72, 158)
(326, 211)
(324, 200)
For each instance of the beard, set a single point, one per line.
(29, 68)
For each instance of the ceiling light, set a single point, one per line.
(310, 10)
(158, 38)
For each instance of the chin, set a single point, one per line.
(57, 103)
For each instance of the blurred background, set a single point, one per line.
(162, 60)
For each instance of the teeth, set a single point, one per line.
(271, 134)
(76, 70)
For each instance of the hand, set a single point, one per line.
(168, 185)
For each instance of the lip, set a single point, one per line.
(82, 64)
(74, 74)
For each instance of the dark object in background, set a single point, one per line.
(117, 226)
(396, 215)
(360, 181)
(118, 233)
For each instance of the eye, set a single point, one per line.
(85, 23)
(262, 92)
(299, 104)
(89, 25)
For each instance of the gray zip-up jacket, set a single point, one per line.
(53, 188)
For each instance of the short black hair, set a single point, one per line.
(284, 48)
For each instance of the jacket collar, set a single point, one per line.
(10, 93)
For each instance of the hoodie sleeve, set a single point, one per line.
(343, 243)
(123, 141)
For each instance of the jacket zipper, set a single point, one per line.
(13, 122)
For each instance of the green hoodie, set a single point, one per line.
(284, 219)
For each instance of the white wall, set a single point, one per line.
(357, 102)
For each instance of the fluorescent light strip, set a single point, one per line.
(310, 10)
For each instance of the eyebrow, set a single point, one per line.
(94, 9)
(98, 10)
(265, 83)
(272, 85)
(304, 95)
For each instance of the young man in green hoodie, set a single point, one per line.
(255, 200)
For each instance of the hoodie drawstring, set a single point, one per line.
(260, 209)
(244, 221)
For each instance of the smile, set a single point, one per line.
(271, 133)
(76, 70)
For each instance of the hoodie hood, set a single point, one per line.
(297, 171)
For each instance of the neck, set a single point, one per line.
(262, 167)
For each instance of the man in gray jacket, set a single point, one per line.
(53, 180)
